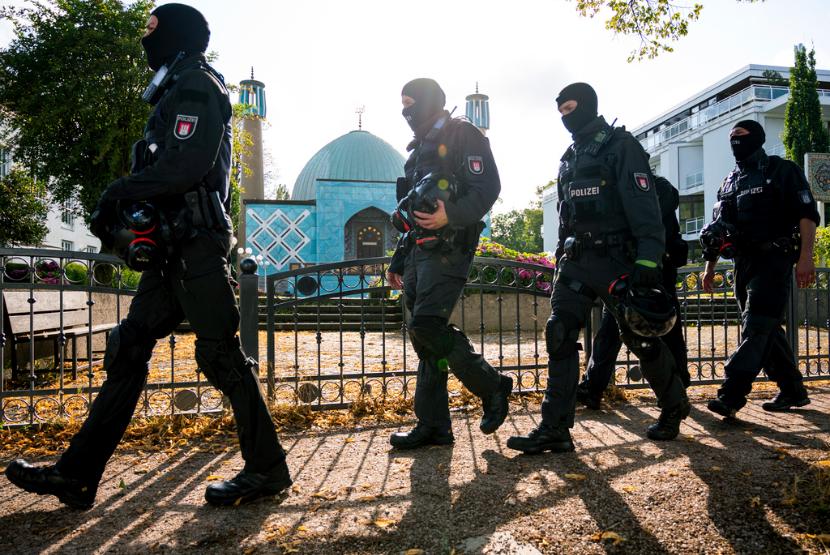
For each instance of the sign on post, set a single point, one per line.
(817, 169)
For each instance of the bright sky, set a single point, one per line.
(321, 59)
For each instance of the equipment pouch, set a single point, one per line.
(197, 219)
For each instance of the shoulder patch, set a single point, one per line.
(475, 164)
(185, 126)
(806, 197)
(642, 182)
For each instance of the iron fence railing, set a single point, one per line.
(57, 310)
(326, 335)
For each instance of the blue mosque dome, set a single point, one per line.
(355, 156)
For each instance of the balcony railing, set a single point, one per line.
(762, 93)
(694, 225)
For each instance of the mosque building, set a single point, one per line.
(341, 201)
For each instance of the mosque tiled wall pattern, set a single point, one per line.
(282, 233)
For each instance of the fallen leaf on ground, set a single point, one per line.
(576, 477)
(755, 502)
(613, 537)
(715, 469)
(249, 550)
(214, 478)
(302, 528)
(367, 498)
(383, 522)
(824, 464)
(327, 495)
(238, 502)
(414, 552)
(349, 440)
(295, 488)
(629, 489)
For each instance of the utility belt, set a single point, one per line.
(785, 246)
(447, 238)
(576, 244)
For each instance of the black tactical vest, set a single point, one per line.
(588, 182)
(752, 200)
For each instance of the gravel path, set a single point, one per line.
(739, 487)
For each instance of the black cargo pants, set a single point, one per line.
(197, 289)
(576, 285)
(433, 282)
(762, 289)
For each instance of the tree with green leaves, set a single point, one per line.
(804, 128)
(70, 92)
(521, 230)
(23, 217)
(657, 23)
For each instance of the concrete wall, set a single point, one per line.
(473, 313)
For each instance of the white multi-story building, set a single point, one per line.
(689, 144)
(65, 230)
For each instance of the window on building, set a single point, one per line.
(90, 249)
(692, 215)
(67, 245)
(67, 217)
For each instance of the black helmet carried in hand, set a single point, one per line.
(718, 238)
(430, 189)
(137, 240)
(647, 311)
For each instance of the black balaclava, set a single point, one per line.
(429, 101)
(180, 28)
(745, 146)
(586, 106)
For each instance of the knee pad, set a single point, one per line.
(223, 362)
(127, 347)
(430, 336)
(561, 334)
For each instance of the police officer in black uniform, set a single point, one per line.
(607, 342)
(449, 158)
(185, 156)
(610, 226)
(767, 216)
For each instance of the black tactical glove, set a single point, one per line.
(645, 275)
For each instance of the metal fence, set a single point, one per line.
(325, 335)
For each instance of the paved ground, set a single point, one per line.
(750, 486)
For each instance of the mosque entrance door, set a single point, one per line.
(368, 234)
(369, 242)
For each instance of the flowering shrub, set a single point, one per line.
(490, 249)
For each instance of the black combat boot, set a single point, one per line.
(419, 436)
(248, 486)
(587, 397)
(721, 407)
(785, 401)
(543, 438)
(496, 407)
(668, 425)
(46, 480)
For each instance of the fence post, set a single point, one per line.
(792, 318)
(249, 307)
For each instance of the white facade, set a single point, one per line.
(65, 230)
(689, 144)
(68, 232)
